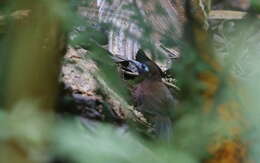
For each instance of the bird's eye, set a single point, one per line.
(145, 68)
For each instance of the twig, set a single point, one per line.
(17, 15)
(20, 14)
(228, 14)
(129, 73)
(174, 53)
(171, 85)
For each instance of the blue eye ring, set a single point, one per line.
(145, 68)
(140, 66)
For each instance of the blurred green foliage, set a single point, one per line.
(70, 138)
(237, 45)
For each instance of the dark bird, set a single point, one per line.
(152, 97)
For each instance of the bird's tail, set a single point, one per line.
(163, 127)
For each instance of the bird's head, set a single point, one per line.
(148, 70)
(142, 68)
(146, 67)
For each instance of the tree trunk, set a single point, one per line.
(35, 47)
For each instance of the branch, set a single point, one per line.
(228, 14)
(17, 15)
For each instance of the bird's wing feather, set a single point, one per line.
(155, 99)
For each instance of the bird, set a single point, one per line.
(152, 97)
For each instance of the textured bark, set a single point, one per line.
(127, 35)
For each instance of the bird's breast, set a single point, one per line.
(153, 97)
